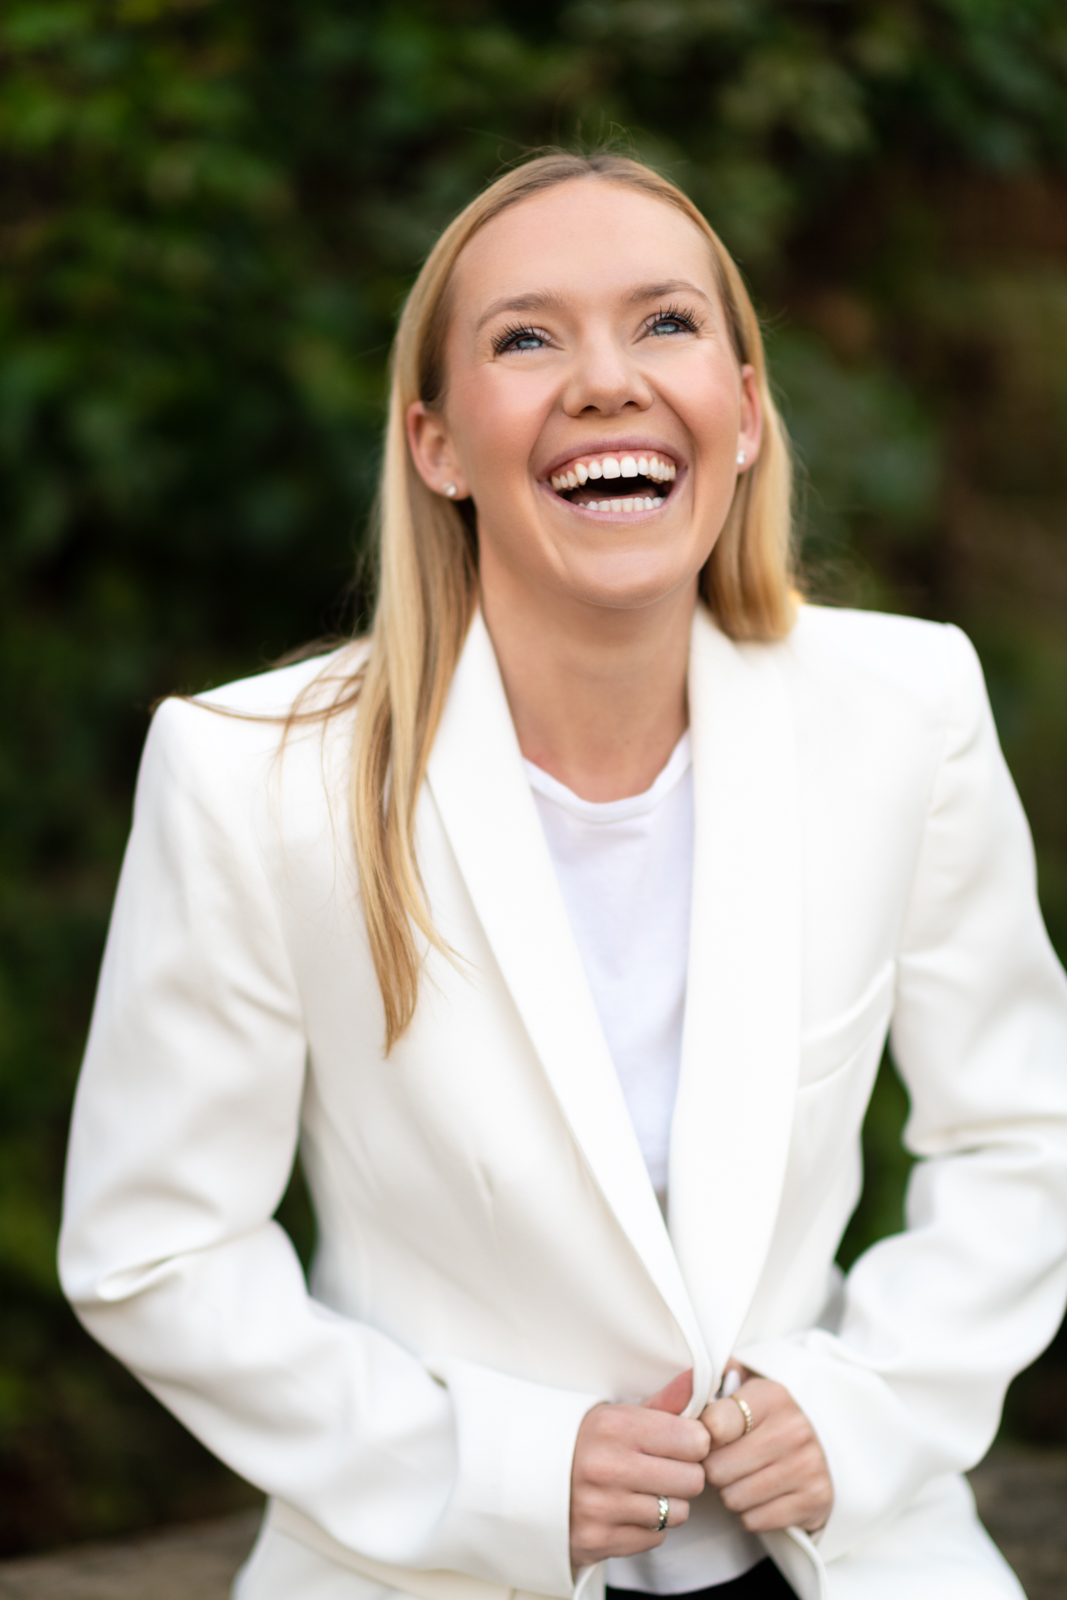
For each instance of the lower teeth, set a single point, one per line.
(635, 504)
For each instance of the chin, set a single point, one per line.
(629, 586)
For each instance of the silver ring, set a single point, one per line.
(664, 1513)
(746, 1411)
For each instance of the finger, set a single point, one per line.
(660, 1433)
(789, 1511)
(734, 1375)
(725, 1421)
(621, 1541)
(803, 1473)
(761, 1487)
(628, 1429)
(619, 1508)
(675, 1479)
(674, 1396)
(776, 1442)
(743, 1459)
(677, 1512)
(616, 1453)
(639, 1514)
(646, 1512)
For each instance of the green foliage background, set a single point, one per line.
(209, 213)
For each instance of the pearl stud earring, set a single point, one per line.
(450, 490)
(741, 458)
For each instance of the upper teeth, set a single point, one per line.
(615, 467)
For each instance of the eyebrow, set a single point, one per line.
(659, 291)
(538, 301)
(543, 300)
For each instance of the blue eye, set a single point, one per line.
(518, 339)
(672, 322)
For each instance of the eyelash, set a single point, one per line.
(508, 337)
(688, 319)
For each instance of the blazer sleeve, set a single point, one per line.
(184, 1133)
(937, 1320)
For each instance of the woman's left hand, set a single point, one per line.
(774, 1476)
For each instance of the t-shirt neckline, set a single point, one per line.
(634, 805)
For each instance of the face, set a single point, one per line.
(594, 408)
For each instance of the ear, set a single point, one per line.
(750, 431)
(431, 451)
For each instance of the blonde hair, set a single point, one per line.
(428, 569)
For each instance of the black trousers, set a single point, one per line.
(761, 1582)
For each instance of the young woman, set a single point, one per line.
(563, 928)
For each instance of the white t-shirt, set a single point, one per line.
(625, 868)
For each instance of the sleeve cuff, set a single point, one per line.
(509, 1516)
(849, 1407)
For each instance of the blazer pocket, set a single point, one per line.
(825, 1049)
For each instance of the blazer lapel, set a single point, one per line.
(740, 1053)
(483, 796)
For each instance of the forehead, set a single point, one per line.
(585, 240)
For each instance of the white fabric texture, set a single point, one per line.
(625, 869)
(491, 1257)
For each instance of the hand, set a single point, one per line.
(776, 1476)
(624, 1459)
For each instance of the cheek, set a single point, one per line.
(709, 405)
(496, 421)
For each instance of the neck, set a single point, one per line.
(597, 694)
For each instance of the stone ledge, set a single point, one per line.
(1022, 1496)
(194, 1562)
(1022, 1499)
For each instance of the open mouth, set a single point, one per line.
(620, 484)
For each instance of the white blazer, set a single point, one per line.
(491, 1258)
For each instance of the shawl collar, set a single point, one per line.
(482, 793)
(740, 1050)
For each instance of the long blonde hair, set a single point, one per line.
(428, 569)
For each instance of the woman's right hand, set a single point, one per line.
(624, 1459)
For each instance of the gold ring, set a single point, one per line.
(664, 1513)
(746, 1412)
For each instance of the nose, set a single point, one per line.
(604, 379)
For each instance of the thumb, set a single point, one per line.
(674, 1396)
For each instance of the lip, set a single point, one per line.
(628, 444)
